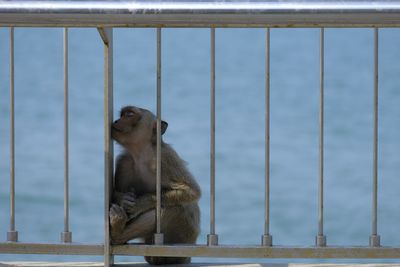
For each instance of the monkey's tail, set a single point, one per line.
(167, 260)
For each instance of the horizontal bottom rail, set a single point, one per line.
(223, 251)
(51, 248)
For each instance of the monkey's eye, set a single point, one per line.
(129, 114)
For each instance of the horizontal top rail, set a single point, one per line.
(82, 13)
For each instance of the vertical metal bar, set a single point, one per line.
(66, 158)
(212, 137)
(374, 240)
(212, 238)
(12, 234)
(321, 238)
(108, 145)
(158, 236)
(66, 236)
(267, 238)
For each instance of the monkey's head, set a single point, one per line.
(136, 126)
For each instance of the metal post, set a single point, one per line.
(12, 234)
(107, 36)
(212, 238)
(158, 236)
(66, 236)
(266, 239)
(374, 240)
(321, 238)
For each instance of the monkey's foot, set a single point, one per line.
(118, 218)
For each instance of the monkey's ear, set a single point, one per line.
(164, 126)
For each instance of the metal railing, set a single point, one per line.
(107, 14)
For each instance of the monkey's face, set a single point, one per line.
(125, 129)
(135, 126)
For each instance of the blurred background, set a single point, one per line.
(240, 85)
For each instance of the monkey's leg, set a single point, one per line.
(180, 225)
(140, 227)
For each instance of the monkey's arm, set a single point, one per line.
(177, 194)
(180, 193)
(117, 197)
(124, 174)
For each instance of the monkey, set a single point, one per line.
(133, 207)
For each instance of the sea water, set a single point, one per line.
(240, 136)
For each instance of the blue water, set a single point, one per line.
(240, 129)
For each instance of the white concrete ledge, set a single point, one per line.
(100, 264)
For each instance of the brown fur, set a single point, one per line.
(132, 213)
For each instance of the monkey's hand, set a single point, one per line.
(118, 219)
(136, 206)
(129, 203)
(118, 197)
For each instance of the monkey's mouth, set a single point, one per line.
(116, 129)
